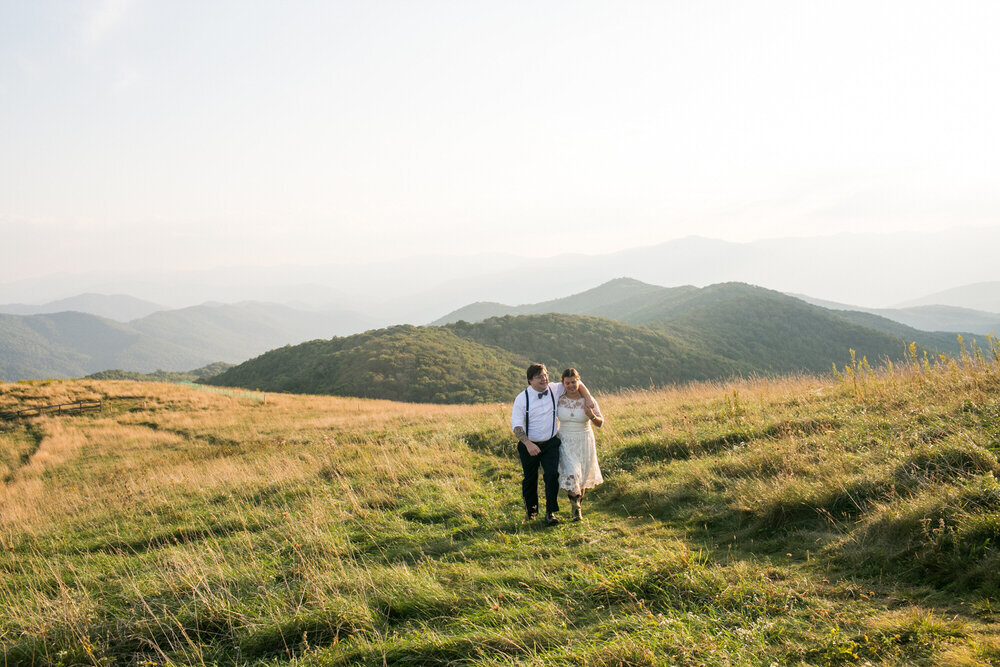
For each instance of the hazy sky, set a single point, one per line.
(191, 134)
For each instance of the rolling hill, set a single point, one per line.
(773, 332)
(608, 353)
(660, 335)
(757, 327)
(236, 332)
(403, 363)
(118, 307)
(925, 318)
(984, 296)
(624, 299)
(715, 333)
(479, 362)
(73, 344)
(163, 376)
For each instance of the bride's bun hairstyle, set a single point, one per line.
(571, 373)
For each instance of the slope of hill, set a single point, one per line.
(71, 344)
(610, 354)
(480, 362)
(403, 363)
(983, 296)
(944, 318)
(919, 263)
(924, 318)
(624, 299)
(774, 332)
(728, 330)
(236, 332)
(75, 344)
(163, 376)
(118, 307)
(757, 329)
(943, 342)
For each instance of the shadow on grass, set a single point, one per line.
(652, 449)
(182, 534)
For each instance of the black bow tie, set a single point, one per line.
(543, 393)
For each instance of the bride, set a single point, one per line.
(578, 469)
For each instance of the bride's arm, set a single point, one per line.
(588, 400)
(596, 418)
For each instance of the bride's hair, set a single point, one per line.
(571, 373)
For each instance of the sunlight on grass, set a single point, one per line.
(768, 521)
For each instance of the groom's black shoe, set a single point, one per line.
(551, 519)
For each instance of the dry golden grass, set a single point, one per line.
(187, 526)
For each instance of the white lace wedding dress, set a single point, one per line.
(578, 467)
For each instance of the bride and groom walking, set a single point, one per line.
(553, 421)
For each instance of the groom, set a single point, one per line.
(533, 421)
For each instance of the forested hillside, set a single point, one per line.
(771, 331)
(195, 375)
(239, 331)
(480, 362)
(730, 336)
(75, 344)
(402, 363)
(611, 355)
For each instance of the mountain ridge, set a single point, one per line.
(849, 268)
(686, 334)
(118, 307)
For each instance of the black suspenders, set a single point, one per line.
(527, 400)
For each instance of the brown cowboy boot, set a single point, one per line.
(574, 503)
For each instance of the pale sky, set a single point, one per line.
(183, 134)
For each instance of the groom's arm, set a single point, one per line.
(517, 425)
(533, 449)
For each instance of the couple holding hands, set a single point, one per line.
(553, 421)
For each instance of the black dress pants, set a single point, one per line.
(548, 460)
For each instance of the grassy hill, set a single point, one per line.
(777, 521)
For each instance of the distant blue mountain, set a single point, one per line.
(118, 307)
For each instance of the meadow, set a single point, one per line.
(848, 519)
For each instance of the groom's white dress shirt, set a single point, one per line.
(541, 412)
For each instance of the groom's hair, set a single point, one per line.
(534, 370)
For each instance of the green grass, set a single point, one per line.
(798, 521)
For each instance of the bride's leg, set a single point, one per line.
(574, 503)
